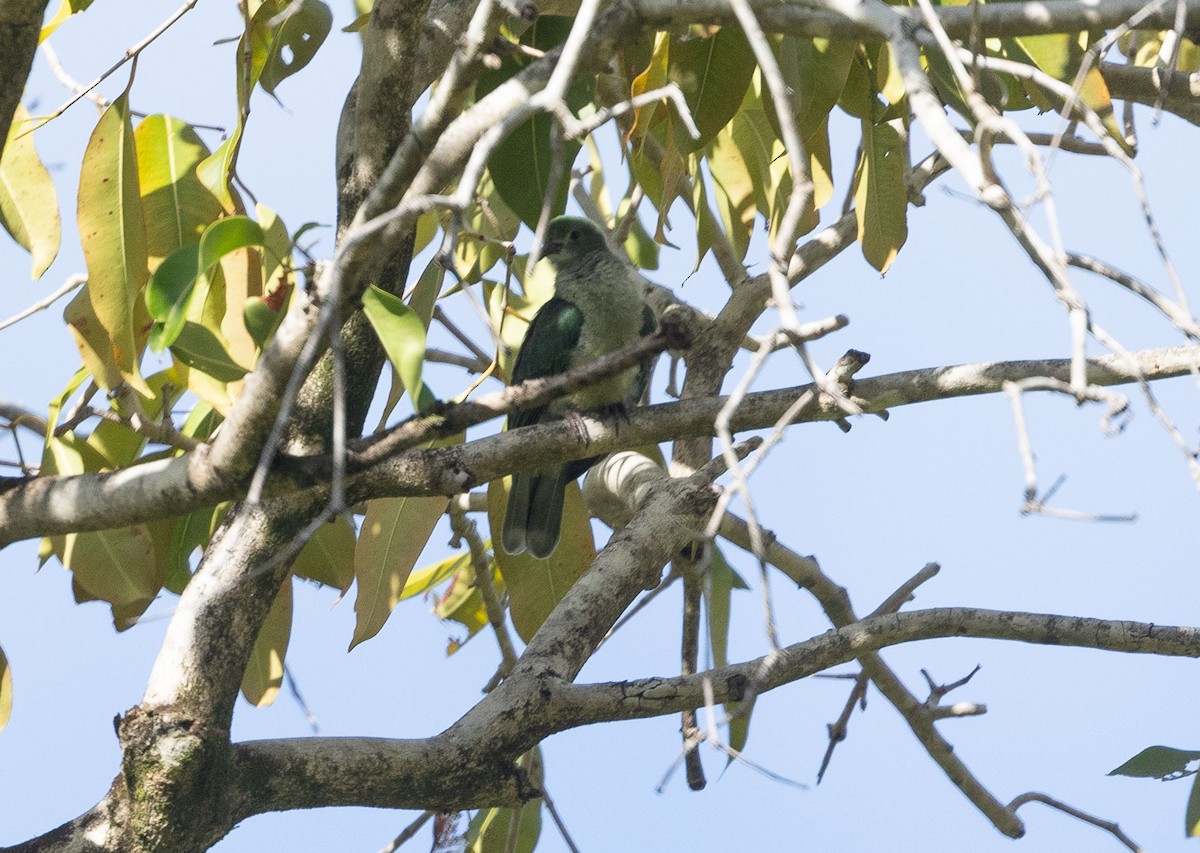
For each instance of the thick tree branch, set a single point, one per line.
(46, 506)
(20, 25)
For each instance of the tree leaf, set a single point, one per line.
(520, 165)
(328, 557)
(200, 349)
(177, 205)
(215, 171)
(735, 190)
(296, 42)
(488, 831)
(881, 196)
(536, 586)
(6, 695)
(392, 537)
(401, 332)
(28, 204)
(113, 233)
(462, 602)
(1191, 818)
(713, 74)
(116, 566)
(169, 295)
(264, 670)
(423, 580)
(1157, 762)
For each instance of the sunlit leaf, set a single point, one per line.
(6, 695)
(113, 232)
(653, 76)
(488, 831)
(264, 670)
(536, 586)
(735, 189)
(296, 41)
(401, 332)
(28, 204)
(423, 580)
(392, 537)
(215, 172)
(177, 205)
(1191, 818)
(462, 602)
(713, 74)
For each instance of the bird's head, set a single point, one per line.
(571, 236)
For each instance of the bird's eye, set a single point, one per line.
(574, 235)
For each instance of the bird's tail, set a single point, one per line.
(533, 519)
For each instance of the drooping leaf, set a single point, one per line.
(735, 190)
(423, 580)
(92, 341)
(113, 232)
(216, 171)
(653, 76)
(719, 584)
(536, 586)
(401, 332)
(328, 557)
(488, 831)
(393, 536)
(462, 602)
(169, 295)
(178, 207)
(1157, 762)
(295, 42)
(28, 204)
(1191, 818)
(521, 164)
(116, 566)
(713, 73)
(264, 670)
(6, 695)
(881, 196)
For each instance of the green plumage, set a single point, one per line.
(597, 308)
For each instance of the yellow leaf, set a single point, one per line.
(392, 537)
(264, 670)
(113, 233)
(881, 196)
(28, 205)
(6, 698)
(116, 566)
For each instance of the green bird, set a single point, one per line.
(597, 307)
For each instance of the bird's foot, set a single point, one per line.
(575, 421)
(614, 414)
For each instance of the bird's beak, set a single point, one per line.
(551, 247)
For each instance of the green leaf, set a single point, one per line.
(392, 537)
(200, 349)
(192, 531)
(1191, 818)
(713, 74)
(226, 236)
(169, 295)
(488, 831)
(520, 165)
(177, 205)
(28, 204)
(264, 670)
(720, 582)
(462, 602)
(215, 171)
(328, 557)
(113, 233)
(6, 696)
(401, 332)
(296, 41)
(116, 566)
(1157, 762)
(881, 195)
(423, 580)
(536, 586)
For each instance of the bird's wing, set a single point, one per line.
(546, 350)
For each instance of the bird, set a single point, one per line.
(598, 307)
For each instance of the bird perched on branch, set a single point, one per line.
(598, 307)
